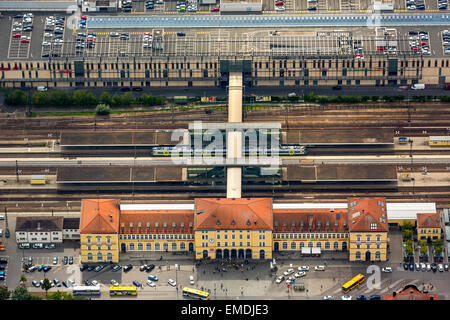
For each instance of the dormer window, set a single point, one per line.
(248, 222)
(233, 222)
(218, 222)
(373, 226)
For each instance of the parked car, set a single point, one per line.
(57, 283)
(191, 280)
(303, 268)
(36, 284)
(300, 274)
(319, 268)
(136, 283)
(47, 268)
(152, 277)
(94, 282)
(114, 283)
(70, 260)
(127, 268)
(328, 298)
(55, 260)
(151, 283)
(172, 283)
(445, 266)
(375, 297)
(99, 268)
(65, 284)
(90, 268)
(441, 267)
(65, 260)
(411, 266)
(346, 297)
(83, 267)
(49, 246)
(405, 266)
(361, 297)
(423, 266)
(117, 267)
(417, 267)
(279, 279)
(288, 272)
(428, 267)
(143, 267)
(150, 267)
(214, 9)
(386, 269)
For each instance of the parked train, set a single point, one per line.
(281, 151)
(441, 141)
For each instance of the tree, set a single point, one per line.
(23, 279)
(21, 293)
(60, 99)
(16, 98)
(91, 99)
(4, 293)
(127, 99)
(423, 249)
(40, 98)
(407, 225)
(409, 250)
(46, 285)
(79, 98)
(62, 296)
(102, 109)
(105, 98)
(116, 100)
(407, 233)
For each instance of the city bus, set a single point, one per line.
(356, 281)
(195, 294)
(122, 291)
(86, 291)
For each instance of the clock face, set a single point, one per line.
(211, 240)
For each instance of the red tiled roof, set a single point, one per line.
(428, 220)
(310, 220)
(233, 214)
(156, 221)
(99, 216)
(367, 214)
(410, 292)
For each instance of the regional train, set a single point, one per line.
(441, 141)
(187, 151)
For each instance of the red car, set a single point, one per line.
(67, 71)
(4, 68)
(25, 41)
(423, 43)
(17, 35)
(279, 3)
(214, 10)
(91, 40)
(83, 17)
(381, 49)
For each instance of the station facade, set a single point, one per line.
(229, 228)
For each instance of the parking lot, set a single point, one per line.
(20, 38)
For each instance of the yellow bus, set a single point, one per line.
(356, 281)
(195, 294)
(122, 291)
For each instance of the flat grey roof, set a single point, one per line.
(339, 137)
(36, 5)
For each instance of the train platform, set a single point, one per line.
(70, 175)
(337, 173)
(338, 137)
(425, 179)
(117, 139)
(23, 182)
(418, 144)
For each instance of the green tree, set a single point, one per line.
(91, 99)
(60, 99)
(102, 109)
(409, 250)
(23, 279)
(16, 97)
(4, 293)
(40, 98)
(79, 98)
(105, 98)
(374, 98)
(437, 251)
(21, 293)
(127, 99)
(58, 295)
(423, 250)
(116, 100)
(407, 225)
(46, 285)
(310, 97)
(407, 233)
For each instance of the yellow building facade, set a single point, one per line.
(368, 246)
(428, 226)
(99, 248)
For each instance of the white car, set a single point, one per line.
(191, 280)
(279, 279)
(386, 269)
(114, 283)
(441, 267)
(328, 298)
(151, 283)
(319, 268)
(113, 34)
(55, 260)
(423, 266)
(300, 274)
(280, 8)
(46, 44)
(172, 282)
(94, 282)
(48, 35)
(303, 268)
(72, 282)
(288, 272)
(346, 297)
(428, 267)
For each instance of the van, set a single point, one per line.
(418, 86)
(42, 88)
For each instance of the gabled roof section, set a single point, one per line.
(428, 220)
(233, 214)
(156, 221)
(367, 214)
(99, 216)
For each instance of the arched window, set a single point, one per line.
(131, 246)
(336, 245)
(327, 245)
(140, 246)
(310, 244)
(148, 246)
(319, 244)
(99, 256)
(182, 246)
(109, 256)
(358, 255)
(285, 245)
(293, 245)
(165, 246)
(157, 246)
(302, 244)
(377, 255)
(89, 256)
(174, 246)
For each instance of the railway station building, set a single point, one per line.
(235, 228)
(429, 226)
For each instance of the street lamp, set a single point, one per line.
(176, 278)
